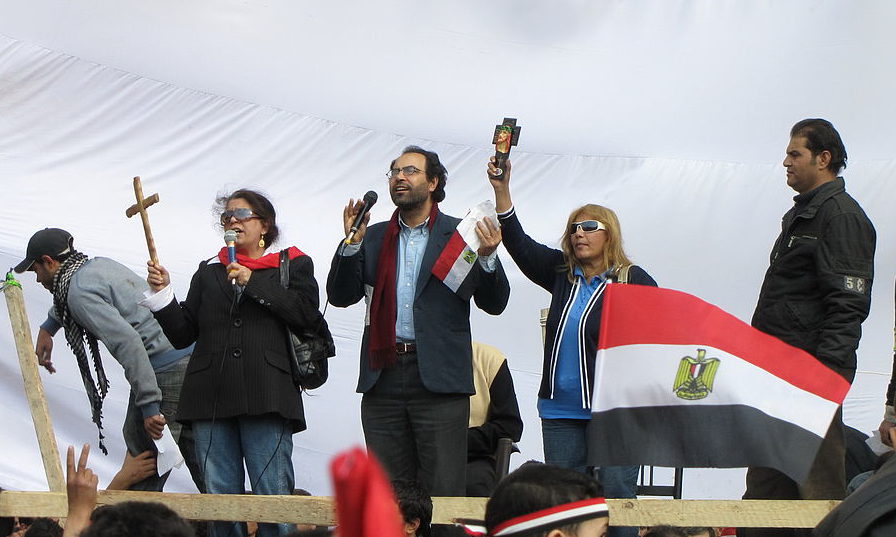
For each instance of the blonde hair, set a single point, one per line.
(614, 254)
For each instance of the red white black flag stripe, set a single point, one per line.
(679, 382)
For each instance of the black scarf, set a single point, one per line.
(76, 335)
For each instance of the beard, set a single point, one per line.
(410, 199)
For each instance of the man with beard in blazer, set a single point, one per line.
(416, 353)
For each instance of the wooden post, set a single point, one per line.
(34, 387)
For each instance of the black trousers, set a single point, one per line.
(417, 434)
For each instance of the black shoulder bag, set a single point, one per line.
(308, 351)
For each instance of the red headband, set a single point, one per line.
(553, 517)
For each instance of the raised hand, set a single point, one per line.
(349, 213)
(80, 484)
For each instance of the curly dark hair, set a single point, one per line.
(137, 519)
(414, 503)
(44, 527)
(261, 206)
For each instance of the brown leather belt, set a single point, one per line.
(405, 348)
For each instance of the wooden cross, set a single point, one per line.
(140, 207)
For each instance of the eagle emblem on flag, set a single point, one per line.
(695, 376)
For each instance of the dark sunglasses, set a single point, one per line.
(588, 226)
(240, 214)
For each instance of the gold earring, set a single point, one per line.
(261, 242)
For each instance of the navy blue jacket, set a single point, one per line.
(441, 317)
(546, 267)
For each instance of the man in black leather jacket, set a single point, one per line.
(816, 293)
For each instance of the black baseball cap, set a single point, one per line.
(50, 241)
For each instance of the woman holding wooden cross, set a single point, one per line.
(238, 393)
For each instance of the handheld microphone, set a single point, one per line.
(230, 240)
(369, 200)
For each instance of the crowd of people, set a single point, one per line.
(214, 370)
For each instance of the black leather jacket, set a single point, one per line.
(817, 289)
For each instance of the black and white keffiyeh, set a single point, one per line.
(76, 335)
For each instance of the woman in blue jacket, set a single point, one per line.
(591, 257)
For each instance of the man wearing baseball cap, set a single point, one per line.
(97, 300)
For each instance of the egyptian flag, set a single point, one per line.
(681, 383)
(455, 264)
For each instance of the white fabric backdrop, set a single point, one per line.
(673, 114)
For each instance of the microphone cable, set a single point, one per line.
(218, 385)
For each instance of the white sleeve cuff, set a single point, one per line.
(157, 300)
(490, 262)
(506, 213)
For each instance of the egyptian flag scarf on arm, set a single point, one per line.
(458, 259)
(681, 383)
(384, 303)
(454, 264)
(266, 261)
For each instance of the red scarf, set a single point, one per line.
(383, 305)
(266, 261)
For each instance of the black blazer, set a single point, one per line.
(441, 317)
(240, 364)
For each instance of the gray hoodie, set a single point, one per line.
(103, 298)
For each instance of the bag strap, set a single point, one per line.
(622, 273)
(284, 281)
(284, 268)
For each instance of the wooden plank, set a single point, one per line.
(306, 509)
(33, 504)
(34, 388)
(446, 509)
(318, 509)
(720, 513)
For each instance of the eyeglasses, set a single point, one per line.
(588, 226)
(407, 171)
(242, 214)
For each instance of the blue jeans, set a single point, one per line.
(137, 441)
(265, 444)
(566, 445)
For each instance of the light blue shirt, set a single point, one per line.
(411, 246)
(567, 401)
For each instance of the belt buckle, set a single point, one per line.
(402, 347)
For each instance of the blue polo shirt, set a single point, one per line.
(567, 401)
